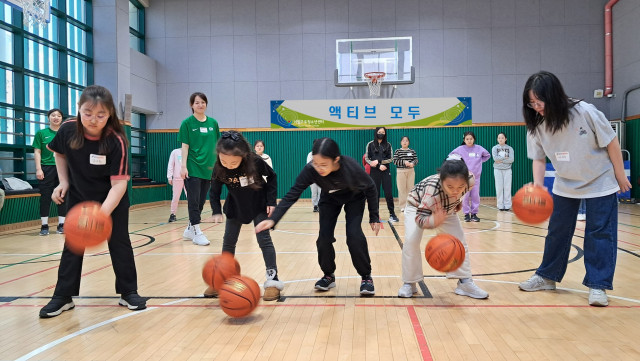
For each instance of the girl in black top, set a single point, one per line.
(253, 192)
(344, 184)
(379, 156)
(92, 163)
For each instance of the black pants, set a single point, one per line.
(384, 177)
(330, 206)
(196, 197)
(232, 231)
(46, 186)
(121, 253)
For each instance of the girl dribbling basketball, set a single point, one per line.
(344, 184)
(92, 163)
(433, 204)
(253, 193)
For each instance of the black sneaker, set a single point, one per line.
(393, 218)
(60, 229)
(172, 218)
(316, 209)
(133, 301)
(326, 282)
(366, 287)
(467, 217)
(44, 230)
(474, 218)
(56, 306)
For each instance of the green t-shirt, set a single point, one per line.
(202, 138)
(40, 141)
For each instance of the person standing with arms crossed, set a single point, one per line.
(198, 135)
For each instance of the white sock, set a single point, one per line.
(45, 220)
(197, 228)
(60, 220)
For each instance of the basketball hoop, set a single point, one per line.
(374, 80)
(34, 12)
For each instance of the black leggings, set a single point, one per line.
(46, 186)
(330, 206)
(120, 250)
(196, 197)
(383, 177)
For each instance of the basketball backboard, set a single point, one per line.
(355, 57)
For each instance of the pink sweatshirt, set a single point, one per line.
(175, 162)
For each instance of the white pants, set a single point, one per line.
(413, 254)
(315, 194)
(503, 187)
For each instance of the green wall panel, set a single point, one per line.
(21, 210)
(632, 136)
(289, 150)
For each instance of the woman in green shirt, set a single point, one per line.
(46, 171)
(198, 135)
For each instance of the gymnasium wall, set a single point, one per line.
(626, 57)
(289, 149)
(243, 54)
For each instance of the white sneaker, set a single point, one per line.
(200, 239)
(470, 289)
(189, 232)
(537, 283)
(598, 297)
(582, 217)
(407, 290)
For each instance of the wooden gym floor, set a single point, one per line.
(305, 325)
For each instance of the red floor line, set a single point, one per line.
(10, 304)
(417, 328)
(106, 266)
(28, 275)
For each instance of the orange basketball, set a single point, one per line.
(239, 296)
(86, 226)
(444, 253)
(218, 268)
(532, 204)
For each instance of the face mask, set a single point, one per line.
(381, 136)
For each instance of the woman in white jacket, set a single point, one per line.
(173, 175)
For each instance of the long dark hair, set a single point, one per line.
(375, 135)
(454, 168)
(98, 95)
(233, 143)
(546, 87)
(471, 134)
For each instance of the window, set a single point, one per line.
(138, 145)
(136, 26)
(41, 67)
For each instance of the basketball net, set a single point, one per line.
(374, 80)
(35, 12)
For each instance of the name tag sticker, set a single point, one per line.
(563, 157)
(203, 129)
(472, 155)
(96, 159)
(244, 181)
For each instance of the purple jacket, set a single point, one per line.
(473, 156)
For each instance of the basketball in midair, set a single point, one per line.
(532, 204)
(444, 253)
(218, 268)
(239, 296)
(86, 226)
